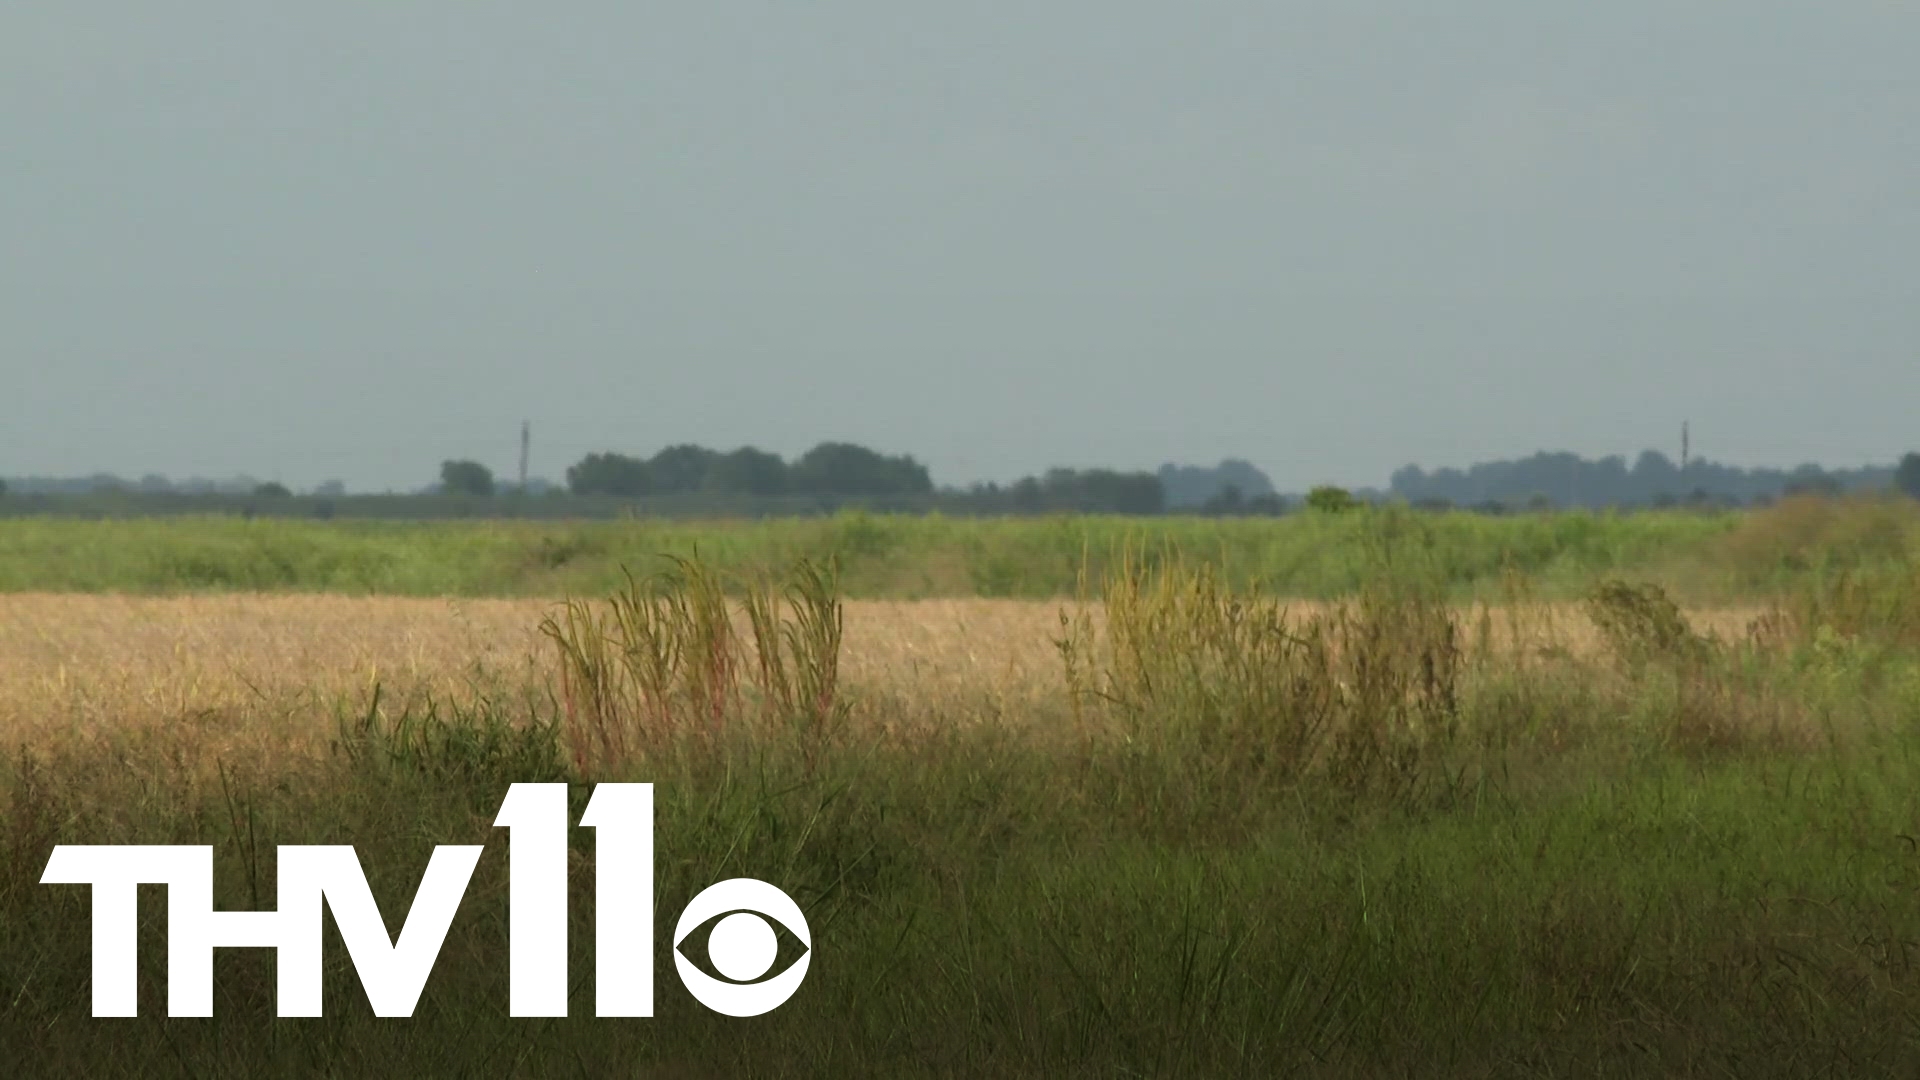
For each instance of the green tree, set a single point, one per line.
(610, 474)
(1813, 480)
(1907, 476)
(847, 469)
(272, 490)
(681, 469)
(748, 471)
(1331, 499)
(466, 478)
(1103, 491)
(1229, 501)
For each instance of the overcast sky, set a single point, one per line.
(350, 239)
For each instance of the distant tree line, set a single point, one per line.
(150, 484)
(1067, 491)
(1233, 483)
(834, 469)
(831, 474)
(835, 473)
(689, 479)
(1562, 479)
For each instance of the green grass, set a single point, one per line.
(1310, 555)
(985, 908)
(1368, 849)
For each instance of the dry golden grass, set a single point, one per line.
(265, 671)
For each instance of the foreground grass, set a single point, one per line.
(982, 907)
(1367, 846)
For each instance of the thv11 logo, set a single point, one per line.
(393, 971)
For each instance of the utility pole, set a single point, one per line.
(1683, 446)
(526, 436)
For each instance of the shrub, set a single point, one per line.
(1332, 499)
(1641, 623)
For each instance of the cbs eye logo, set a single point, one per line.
(741, 946)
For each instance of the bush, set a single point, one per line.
(1641, 623)
(1332, 499)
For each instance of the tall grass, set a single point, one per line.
(1188, 666)
(1356, 841)
(663, 661)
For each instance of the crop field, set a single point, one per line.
(1331, 795)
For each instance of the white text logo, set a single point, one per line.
(393, 970)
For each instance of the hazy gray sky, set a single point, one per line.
(351, 239)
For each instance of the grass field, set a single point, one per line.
(1714, 557)
(1431, 819)
(900, 556)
